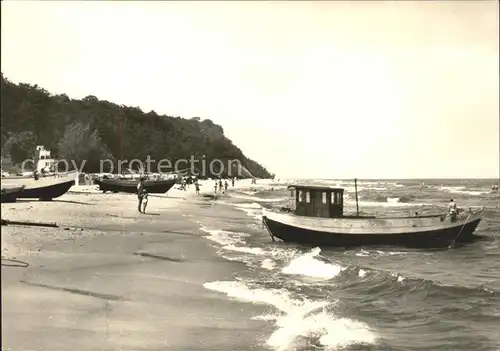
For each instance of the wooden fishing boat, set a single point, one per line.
(45, 188)
(10, 194)
(130, 185)
(317, 218)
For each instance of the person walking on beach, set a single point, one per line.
(232, 181)
(140, 188)
(225, 186)
(197, 187)
(144, 200)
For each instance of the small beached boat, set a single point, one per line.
(130, 185)
(317, 218)
(45, 188)
(11, 194)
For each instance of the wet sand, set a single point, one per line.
(110, 278)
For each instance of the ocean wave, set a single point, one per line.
(298, 317)
(224, 237)
(391, 198)
(464, 190)
(385, 203)
(389, 284)
(376, 253)
(308, 265)
(253, 210)
(256, 198)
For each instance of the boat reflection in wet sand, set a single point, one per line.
(317, 218)
(45, 188)
(130, 185)
(10, 194)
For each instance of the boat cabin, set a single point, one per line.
(317, 201)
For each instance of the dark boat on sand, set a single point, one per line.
(11, 194)
(130, 185)
(45, 188)
(317, 218)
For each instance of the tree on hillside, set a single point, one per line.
(20, 146)
(80, 144)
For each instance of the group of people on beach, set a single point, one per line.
(142, 194)
(222, 187)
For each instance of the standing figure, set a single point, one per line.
(225, 186)
(144, 200)
(452, 209)
(140, 188)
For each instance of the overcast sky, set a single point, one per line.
(308, 89)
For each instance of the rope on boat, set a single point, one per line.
(463, 226)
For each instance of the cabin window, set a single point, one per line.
(324, 197)
(332, 198)
(335, 198)
(300, 196)
(308, 197)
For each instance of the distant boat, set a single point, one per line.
(45, 188)
(317, 218)
(11, 194)
(130, 185)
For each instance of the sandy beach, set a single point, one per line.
(111, 278)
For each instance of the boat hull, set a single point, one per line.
(130, 186)
(11, 194)
(47, 192)
(45, 188)
(430, 237)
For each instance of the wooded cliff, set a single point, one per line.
(91, 129)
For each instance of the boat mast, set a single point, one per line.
(356, 191)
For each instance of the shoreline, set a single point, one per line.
(114, 277)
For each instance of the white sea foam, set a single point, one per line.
(400, 278)
(362, 253)
(393, 203)
(461, 190)
(232, 241)
(255, 198)
(308, 265)
(253, 210)
(393, 199)
(268, 264)
(250, 205)
(249, 250)
(223, 237)
(298, 317)
(361, 273)
(251, 193)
